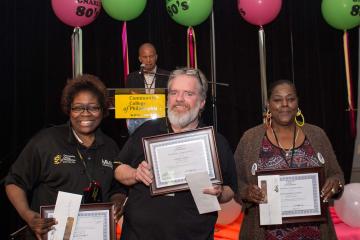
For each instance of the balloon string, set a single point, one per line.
(262, 54)
(195, 51)
(76, 52)
(125, 51)
(349, 85)
(191, 48)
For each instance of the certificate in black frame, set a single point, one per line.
(93, 207)
(298, 171)
(203, 135)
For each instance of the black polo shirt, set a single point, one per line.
(168, 217)
(50, 163)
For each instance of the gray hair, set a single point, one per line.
(196, 73)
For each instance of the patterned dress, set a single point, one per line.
(273, 157)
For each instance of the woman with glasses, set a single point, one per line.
(75, 157)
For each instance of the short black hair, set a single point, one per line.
(85, 82)
(273, 85)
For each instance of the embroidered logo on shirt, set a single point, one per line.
(57, 159)
(68, 159)
(107, 163)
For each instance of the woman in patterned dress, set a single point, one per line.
(284, 142)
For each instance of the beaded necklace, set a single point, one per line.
(287, 152)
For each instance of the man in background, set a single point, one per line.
(149, 76)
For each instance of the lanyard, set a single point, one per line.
(149, 85)
(282, 150)
(84, 164)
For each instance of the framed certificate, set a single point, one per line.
(299, 190)
(173, 156)
(95, 221)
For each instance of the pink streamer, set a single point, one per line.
(349, 84)
(191, 48)
(125, 51)
(191, 45)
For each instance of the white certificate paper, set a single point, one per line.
(92, 225)
(67, 206)
(177, 158)
(270, 210)
(173, 156)
(204, 202)
(300, 195)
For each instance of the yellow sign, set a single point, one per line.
(139, 106)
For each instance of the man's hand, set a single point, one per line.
(143, 173)
(215, 190)
(222, 192)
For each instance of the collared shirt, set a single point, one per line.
(150, 78)
(50, 163)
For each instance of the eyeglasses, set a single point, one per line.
(188, 71)
(93, 109)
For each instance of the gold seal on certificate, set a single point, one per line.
(173, 156)
(293, 195)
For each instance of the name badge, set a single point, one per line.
(254, 169)
(321, 158)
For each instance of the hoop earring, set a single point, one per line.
(267, 118)
(301, 121)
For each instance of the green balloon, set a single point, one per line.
(189, 12)
(124, 10)
(341, 14)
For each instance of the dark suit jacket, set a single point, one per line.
(136, 80)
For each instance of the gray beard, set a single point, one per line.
(182, 120)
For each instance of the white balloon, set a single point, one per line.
(348, 206)
(229, 212)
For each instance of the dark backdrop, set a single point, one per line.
(36, 61)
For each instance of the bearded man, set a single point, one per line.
(171, 216)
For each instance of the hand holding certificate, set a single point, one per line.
(173, 156)
(293, 195)
(94, 222)
(204, 202)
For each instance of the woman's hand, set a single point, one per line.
(38, 225)
(143, 173)
(254, 194)
(331, 187)
(119, 201)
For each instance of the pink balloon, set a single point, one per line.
(76, 13)
(348, 206)
(259, 12)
